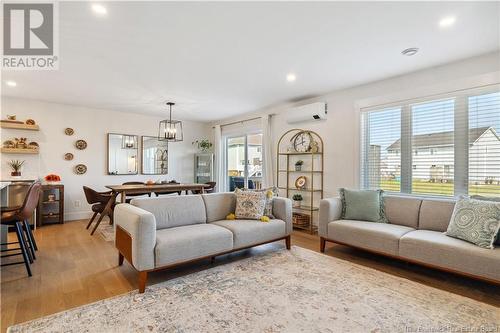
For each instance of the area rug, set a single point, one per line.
(107, 232)
(281, 291)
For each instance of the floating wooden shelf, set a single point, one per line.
(19, 151)
(20, 126)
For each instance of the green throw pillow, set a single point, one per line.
(475, 221)
(364, 205)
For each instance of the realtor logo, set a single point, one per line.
(29, 36)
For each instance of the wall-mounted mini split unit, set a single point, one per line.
(308, 112)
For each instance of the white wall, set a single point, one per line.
(340, 132)
(91, 125)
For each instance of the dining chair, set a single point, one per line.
(98, 200)
(210, 189)
(169, 192)
(17, 217)
(127, 200)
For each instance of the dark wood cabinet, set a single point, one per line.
(50, 205)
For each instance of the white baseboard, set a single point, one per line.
(77, 216)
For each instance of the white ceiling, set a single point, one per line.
(217, 60)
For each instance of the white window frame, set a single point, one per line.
(226, 139)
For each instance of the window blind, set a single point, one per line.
(382, 159)
(432, 147)
(484, 144)
(444, 145)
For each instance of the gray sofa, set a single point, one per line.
(415, 233)
(157, 233)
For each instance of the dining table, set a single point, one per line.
(123, 190)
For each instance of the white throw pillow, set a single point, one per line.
(250, 205)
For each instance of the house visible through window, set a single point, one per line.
(442, 146)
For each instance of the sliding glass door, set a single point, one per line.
(244, 161)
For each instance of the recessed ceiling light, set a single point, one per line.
(290, 77)
(447, 21)
(11, 83)
(99, 9)
(410, 51)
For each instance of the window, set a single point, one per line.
(484, 144)
(244, 161)
(440, 146)
(432, 125)
(381, 159)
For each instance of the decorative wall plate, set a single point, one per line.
(80, 169)
(81, 144)
(300, 182)
(68, 156)
(69, 131)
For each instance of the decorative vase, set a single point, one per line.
(296, 203)
(15, 173)
(298, 167)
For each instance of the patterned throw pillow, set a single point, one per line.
(363, 205)
(249, 204)
(271, 193)
(495, 199)
(475, 221)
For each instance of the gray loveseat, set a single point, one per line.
(157, 233)
(415, 233)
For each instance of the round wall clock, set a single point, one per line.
(302, 142)
(300, 182)
(81, 144)
(80, 169)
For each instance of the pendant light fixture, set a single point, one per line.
(170, 130)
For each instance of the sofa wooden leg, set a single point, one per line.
(288, 242)
(143, 277)
(120, 259)
(212, 260)
(322, 243)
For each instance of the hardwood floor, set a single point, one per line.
(74, 268)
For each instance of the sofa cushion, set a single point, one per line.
(402, 211)
(250, 232)
(436, 248)
(365, 205)
(435, 215)
(382, 237)
(475, 221)
(174, 211)
(174, 245)
(219, 205)
(249, 205)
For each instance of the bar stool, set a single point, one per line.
(17, 217)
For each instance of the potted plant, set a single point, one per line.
(203, 145)
(297, 198)
(298, 165)
(16, 165)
